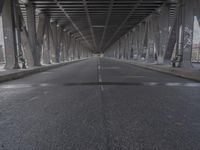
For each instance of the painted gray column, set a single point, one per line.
(68, 45)
(156, 32)
(188, 25)
(62, 51)
(52, 41)
(120, 49)
(2, 59)
(149, 40)
(71, 49)
(171, 43)
(197, 10)
(25, 42)
(43, 20)
(18, 24)
(164, 33)
(59, 43)
(31, 22)
(74, 49)
(141, 38)
(78, 50)
(65, 46)
(55, 39)
(1, 5)
(138, 40)
(46, 46)
(11, 54)
(128, 45)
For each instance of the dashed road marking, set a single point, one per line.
(102, 88)
(99, 76)
(33, 98)
(100, 79)
(99, 67)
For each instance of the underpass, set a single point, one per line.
(99, 75)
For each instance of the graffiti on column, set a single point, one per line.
(188, 37)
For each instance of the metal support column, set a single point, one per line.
(188, 25)
(11, 53)
(43, 20)
(55, 40)
(46, 46)
(31, 22)
(18, 25)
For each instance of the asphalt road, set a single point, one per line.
(100, 104)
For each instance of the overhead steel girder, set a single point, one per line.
(101, 13)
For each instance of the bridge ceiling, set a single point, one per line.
(98, 22)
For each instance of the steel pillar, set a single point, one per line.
(18, 25)
(25, 42)
(164, 33)
(46, 45)
(55, 40)
(31, 22)
(188, 25)
(149, 41)
(43, 21)
(11, 53)
(62, 46)
(1, 5)
(59, 43)
(68, 45)
(171, 43)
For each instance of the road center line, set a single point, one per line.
(99, 67)
(33, 98)
(99, 76)
(102, 89)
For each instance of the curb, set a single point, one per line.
(23, 73)
(186, 74)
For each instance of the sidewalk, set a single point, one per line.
(193, 74)
(7, 75)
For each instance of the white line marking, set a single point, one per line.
(102, 89)
(110, 68)
(34, 98)
(100, 79)
(99, 67)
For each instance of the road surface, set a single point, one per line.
(100, 104)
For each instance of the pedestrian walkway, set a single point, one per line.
(6, 75)
(193, 73)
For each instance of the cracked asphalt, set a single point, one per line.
(100, 104)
